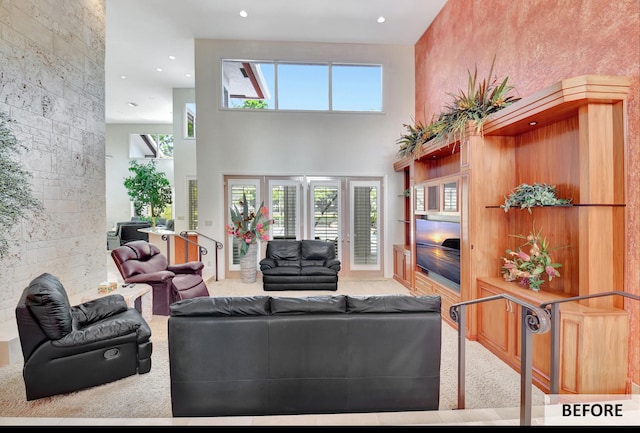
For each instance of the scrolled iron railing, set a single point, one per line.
(553, 308)
(184, 235)
(534, 320)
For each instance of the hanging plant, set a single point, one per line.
(16, 195)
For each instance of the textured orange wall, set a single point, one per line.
(538, 43)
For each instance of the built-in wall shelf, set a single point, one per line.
(563, 205)
(572, 135)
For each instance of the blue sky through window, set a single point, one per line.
(306, 86)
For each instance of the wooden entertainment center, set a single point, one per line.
(571, 135)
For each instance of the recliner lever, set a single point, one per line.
(111, 353)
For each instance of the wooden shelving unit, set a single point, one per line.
(570, 135)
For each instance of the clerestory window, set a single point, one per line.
(260, 85)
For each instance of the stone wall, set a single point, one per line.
(52, 84)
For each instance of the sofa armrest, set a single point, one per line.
(153, 277)
(98, 332)
(333, 264)
(267, 263)
(99, 308)
(194, 267)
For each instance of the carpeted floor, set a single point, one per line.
(490, 383)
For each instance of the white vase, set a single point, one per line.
(249, 264)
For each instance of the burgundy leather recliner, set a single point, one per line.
(142, 262)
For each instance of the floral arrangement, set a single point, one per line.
(532, 268)
(249, 226)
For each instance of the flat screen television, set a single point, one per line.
(438, 251)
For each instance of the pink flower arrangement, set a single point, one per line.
(532, 268)
(249, 226)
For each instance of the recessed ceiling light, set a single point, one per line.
(124, 77)
(381, 20)
(533, 123)
(244, 14)
(132, 104)
(187, 75)
(172, 57)
(159, 69)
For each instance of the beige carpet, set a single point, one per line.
(490, 382)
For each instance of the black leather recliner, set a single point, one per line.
(300, 265)
(67, 348)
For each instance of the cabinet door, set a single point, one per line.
(540, 352)
(496, 323)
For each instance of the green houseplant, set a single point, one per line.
(16, 195)
(526, 196)
(148, 188)
(481, 99)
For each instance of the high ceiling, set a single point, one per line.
(142, 34)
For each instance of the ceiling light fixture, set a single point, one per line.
(124, 77)
(381, 20)
(244, 14)
(159, 69)
(132, 104)
(187, 75)
(172, 57)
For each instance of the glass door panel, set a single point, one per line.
(325, 212)
(364, 203)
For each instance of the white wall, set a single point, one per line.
(307, 143)
(118, 205)
(184, 161)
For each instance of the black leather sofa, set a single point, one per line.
(67, 348)
(300, 265)
(262, 355)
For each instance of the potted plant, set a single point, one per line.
(481, 99)
(526, 196)
(16, 195)
(148, 188)
(248, 227)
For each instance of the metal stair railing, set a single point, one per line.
(534, 320)
(218, 245)
(553, 308)
(184, 235)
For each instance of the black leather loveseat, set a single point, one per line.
(300, 265)
(262, 355)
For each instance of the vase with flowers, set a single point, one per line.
(248, 227)
(530, 263)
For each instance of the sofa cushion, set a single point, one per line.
(304, 263)
(221, 306)
(317, 270)
(48, 302)
(283, 250)
(290, 263)
(393, 304)
(317, 250)
(282, 270)
(309, 305)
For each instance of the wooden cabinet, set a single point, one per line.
(426, 286)
(570, 135)
(586, 365)
(402, 264)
